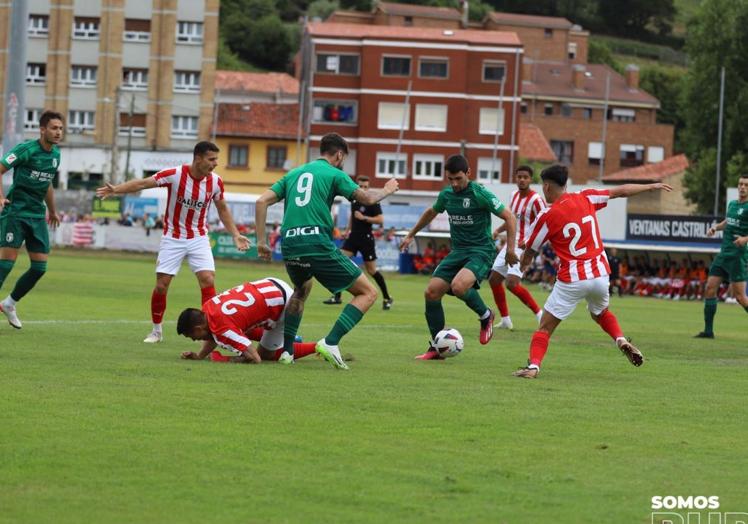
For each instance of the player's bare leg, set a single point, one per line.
(539, 346)
(371, 269)
(292, 320)
(462, 287)
(158, 307)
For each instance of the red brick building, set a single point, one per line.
(441, 86)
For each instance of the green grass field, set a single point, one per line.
(95, 426)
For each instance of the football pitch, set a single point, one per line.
(96, 426)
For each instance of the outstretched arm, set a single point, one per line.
(131, 186)
(268, 198)
(208, 346)
(369, 197)
(627, 190)
(425, 220)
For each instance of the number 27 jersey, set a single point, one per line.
(570, 225)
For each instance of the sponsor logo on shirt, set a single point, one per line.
(189, 202)
(461, 220)
(41, 176)
(302, 231)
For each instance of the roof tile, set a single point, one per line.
(533, 145)
(258, 120)
(448, 13)
(650, 172)
(554, 22)
(242, 81)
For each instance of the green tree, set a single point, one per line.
(635, 18)
(322, 8)
(667, 85)
(599, 53)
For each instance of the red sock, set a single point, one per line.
(609, 323)
(538, 347)
(255, 333)
(524, 295)
(207, 293)
(158, 307)
(300, 350)
(499, 296)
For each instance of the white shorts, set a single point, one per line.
(565, 297)
(172, 251)
(500, 266)
(272, 338)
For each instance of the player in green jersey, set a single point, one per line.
(308, 192)
(469, 206)
(731, 263)
(23, 216)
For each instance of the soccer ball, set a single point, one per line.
(448, 342)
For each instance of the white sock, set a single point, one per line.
(9, 301)
(485, 315)
(620, 340)
(157, 328)
(506, 319)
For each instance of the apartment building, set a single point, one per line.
(138, 73)
(408, 97)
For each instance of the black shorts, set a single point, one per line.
(361, 243)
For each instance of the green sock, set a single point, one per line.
(474, 301)
(290, 328)
(6, 266)
(434, 316)
(350, 316)
(28, 280)
(710, 309)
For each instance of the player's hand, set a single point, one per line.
(105, 191)
(263, 251)
(741, 241)
(391, 186)
(53, 220)
(358, 215)
(189, 355)
(661, 187)
(242, 243)
(711, 231)
(406, 243)
(3, 202)
(511, 257)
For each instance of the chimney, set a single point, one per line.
(464, 22)
(632, 77)
(577, 76)
(527, 66)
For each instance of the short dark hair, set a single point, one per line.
(331, 143)
(50, 115)
(557, 174)
(362, 178)
(744, 175)
(188, 319)
(203, 147)
(456, 163)
(525, 168)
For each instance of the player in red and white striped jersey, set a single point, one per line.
(525, 204)
(570, 225)
(251, 311)
(191, 189)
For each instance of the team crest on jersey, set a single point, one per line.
(54, 162)
(465, 202)
(9, 237)
(740, 211)
(11, 158)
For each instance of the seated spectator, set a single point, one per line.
(441, 253)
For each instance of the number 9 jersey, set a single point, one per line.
(570, 225)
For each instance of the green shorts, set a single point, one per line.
(730, 267)
(14, 231)
(336, 271)
(479, 262)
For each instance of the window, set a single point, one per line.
(80, 121)
(85, 28)
(632, 155)
(393, 116)
(396, 66)
(572, 50)
(276, 157)
(183, 126)
(491, 121)
(488, 170)
(565, 110)
(621, 115)
(137, 30)
(391, 165)
(548, 110)
(655, 154)
(564, 151)
(31, 119)
(83, 76)
(595, 153)
(548, 33)
(523, 108)
(189, 32)
(36, 74)
(335, 111)
(88, 181)
(427, 167)
(186, 82)
(337, 64)
(587, 113)
(431, 117)
(433, 68)
(408, 21)
(493, 71)
(238, 155)
(38, 25)
(135, 79)
(132, 125)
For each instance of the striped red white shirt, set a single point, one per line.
(570, 225)
(188, 201)
(526, 209)
(234, 312)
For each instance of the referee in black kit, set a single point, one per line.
(361, 240)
